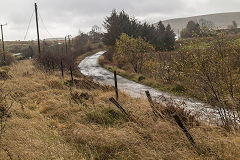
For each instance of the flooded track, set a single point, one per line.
(90, 67)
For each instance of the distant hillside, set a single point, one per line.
(220, 20)
(54, 39)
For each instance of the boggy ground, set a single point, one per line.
(51, 118)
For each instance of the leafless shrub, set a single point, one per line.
(109, 54)
(62, 56)
(207, 70)
(212, 72)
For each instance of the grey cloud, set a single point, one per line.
(68, 16)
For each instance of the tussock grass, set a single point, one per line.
(4, 74)
(53, 118)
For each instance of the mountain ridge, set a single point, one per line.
(220, 20)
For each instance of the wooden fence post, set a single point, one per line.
(71, 73)
(180, 124)
(116, 87)
(118, 106)
(155, 111)
(62, 69)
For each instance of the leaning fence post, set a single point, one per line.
(71, 73)
(62, 69)
(180, 124)
(116, 87)
(156, 113)
(118, 105)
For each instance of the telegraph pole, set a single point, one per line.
(69, 40)
(3, 47)
(36, 13)
(178, 34)
(66, 47)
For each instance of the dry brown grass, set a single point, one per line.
(54, 119)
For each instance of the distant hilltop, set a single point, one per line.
(54, 39)
(220, 20)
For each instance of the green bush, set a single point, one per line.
(140, 78)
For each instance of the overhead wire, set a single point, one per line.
(51, 35)
(28, 26)
(44, 26)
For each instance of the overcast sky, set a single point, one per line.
(63, 17)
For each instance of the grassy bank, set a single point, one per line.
(142, 79)
(51, 118)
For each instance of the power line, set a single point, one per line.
(45, 25)
(29, 25)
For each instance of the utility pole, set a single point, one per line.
(178, 34)
(66, 44)
(3, 47)
(36, 13)
(69, 40)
